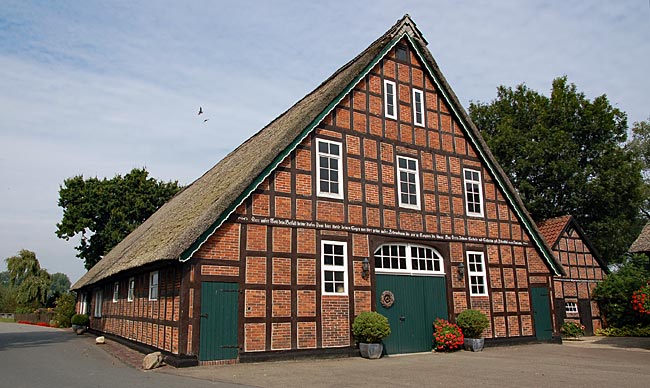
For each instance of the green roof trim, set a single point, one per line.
(187, 254)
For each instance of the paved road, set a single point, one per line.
(32, 356)
(41, 357)
(595, 362)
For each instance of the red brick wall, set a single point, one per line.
(271, 245)
(583, 274)
(152, 322)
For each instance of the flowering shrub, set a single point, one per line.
(572, 329)
(641, 300)
(447, 336)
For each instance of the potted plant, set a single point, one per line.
(79, 323)
(447, 336)
(369, 328)
(472, 323)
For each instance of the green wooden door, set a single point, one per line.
(542, 313)
(419, 300)
(218, 332)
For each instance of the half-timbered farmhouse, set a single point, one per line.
(375, 181)
(583, 267)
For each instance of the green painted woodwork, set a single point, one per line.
(542, 313)
(419, 300)
(218, 330)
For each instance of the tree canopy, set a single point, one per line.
(31, 282)
(104, 211)
(565, 154)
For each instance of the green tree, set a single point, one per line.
(105, 211)
(614, 294)
(65, 309)
(565, 154)
(639, 144)
(31, 282)
(60, 285)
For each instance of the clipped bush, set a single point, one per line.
(447, 336)
(80, 320)
(472, 323)
(572, 329)
(626, 331)
(370, 327)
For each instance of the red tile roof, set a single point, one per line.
(552, 228)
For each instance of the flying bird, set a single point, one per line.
(205, 120)
(200, 111)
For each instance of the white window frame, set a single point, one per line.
(416, 174)
(334, 268)
(153, 285)
(437, 257)
(99, 300)
(339, 159)
(129, 296)
(392, 101)
(418, 108)
(571, 307)
(83, 307)
(475, 184)
(474, 275)
(116, 291)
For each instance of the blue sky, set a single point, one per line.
(98, 88)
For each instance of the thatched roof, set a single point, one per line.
(642, 243)
(179, 227)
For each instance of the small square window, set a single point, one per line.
(571, 307)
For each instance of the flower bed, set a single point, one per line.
(447, 336)
(44, 324)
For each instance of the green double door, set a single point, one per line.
(218, 330)
(418, 301)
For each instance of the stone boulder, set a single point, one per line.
(100, 340)
(152, 360)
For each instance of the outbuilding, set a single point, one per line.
(373, 192)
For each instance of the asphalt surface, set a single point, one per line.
(42, 357)
(32, 356)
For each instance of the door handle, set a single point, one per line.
(402, 318)
(203, 315)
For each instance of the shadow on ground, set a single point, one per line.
(28, 339)
(624, 342)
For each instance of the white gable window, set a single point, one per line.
(98, 303)
(418, 107)
(153, 285)
(390, 99)
(473, 192)
(334, 267)
(571, 307)
(476, 274)
(329, 169)
(129, 296)
(116, 291)
(408, 258)
(408, 182)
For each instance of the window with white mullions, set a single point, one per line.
(408, 258)
(390, 99)
(329, 169)
(571, 307)
(116, 291)
(153, 285)
(476, 274)
(129, 296)
(408, 182)
(473, 192)
(418, 107)
(334, 267)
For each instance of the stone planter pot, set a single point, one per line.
(79, 329)
(474, 344)
(371, 351)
